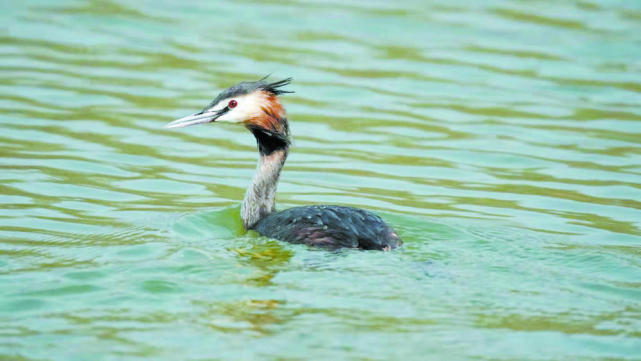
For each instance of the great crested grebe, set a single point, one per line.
(257, 107)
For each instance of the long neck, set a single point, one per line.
(260, 196)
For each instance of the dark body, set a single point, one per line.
(329, 226)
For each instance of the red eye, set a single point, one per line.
(232, 104)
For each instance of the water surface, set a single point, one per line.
(502, 139)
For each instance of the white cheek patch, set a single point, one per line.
(249, 106)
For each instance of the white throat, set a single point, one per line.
(261, 195)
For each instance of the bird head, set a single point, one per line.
(252, 104)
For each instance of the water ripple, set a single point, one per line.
(501, 139)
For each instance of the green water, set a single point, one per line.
(502, 140)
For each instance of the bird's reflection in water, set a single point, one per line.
(266, 258)
(252, 315)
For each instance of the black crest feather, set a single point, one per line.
(274, 87)
(247, 87)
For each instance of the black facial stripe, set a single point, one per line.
(221, 112)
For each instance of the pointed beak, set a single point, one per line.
(198, 118)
